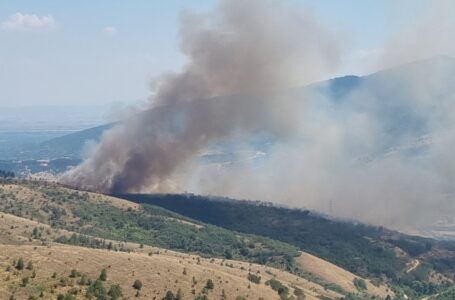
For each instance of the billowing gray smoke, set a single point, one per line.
(248, 48)
(378, 149)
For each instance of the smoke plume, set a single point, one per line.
(250, 49)
(378, 149)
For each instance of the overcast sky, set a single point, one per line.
(102, 52)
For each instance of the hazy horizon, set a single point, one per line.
(49, 56)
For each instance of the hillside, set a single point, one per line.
(332, 273)
(367, 251)
(100, 216)
(160, 270)
(60, 229)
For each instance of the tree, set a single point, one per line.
(137, 285)
(20, 264)
(115, 291)
(96, 289)
(30, 265)
(254, 278)
(103, 275)
(209, 285)
(35, 232)
(169, 296)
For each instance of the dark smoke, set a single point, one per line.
(246, 48)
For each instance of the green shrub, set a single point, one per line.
(209, 285)
(103, 275)
(254, 278)
(96, 289)
(115, 291)
(360, 284)
(137, 285)
(20, 264)
(277, 286)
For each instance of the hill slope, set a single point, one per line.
(130, 241)
(103, 217)
(159, 273)
(366, 251)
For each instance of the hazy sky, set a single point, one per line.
(101, 52)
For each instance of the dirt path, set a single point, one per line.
(414, 264)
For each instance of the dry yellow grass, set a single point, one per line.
(158, 272)
(332, 273)
(158, 269)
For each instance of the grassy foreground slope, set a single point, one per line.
(110, 218)
(47, 224)
(66, 270)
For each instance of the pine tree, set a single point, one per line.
(209, 285)
(20, 264)
(103, 275)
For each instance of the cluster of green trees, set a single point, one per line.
(87, 241)
(254, 278)
(449, 294)
(95, 289)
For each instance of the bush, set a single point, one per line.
(20, 264)
(137, 285)
(74, 273)
(103, 275)
(277, 286)
(254, 278)
(115, 291)
(96, 289)
(209, 285)
(360, 284)
(169, 296)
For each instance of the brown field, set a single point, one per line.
(158, 273)
(332, 273)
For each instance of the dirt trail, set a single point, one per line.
(415, 263)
